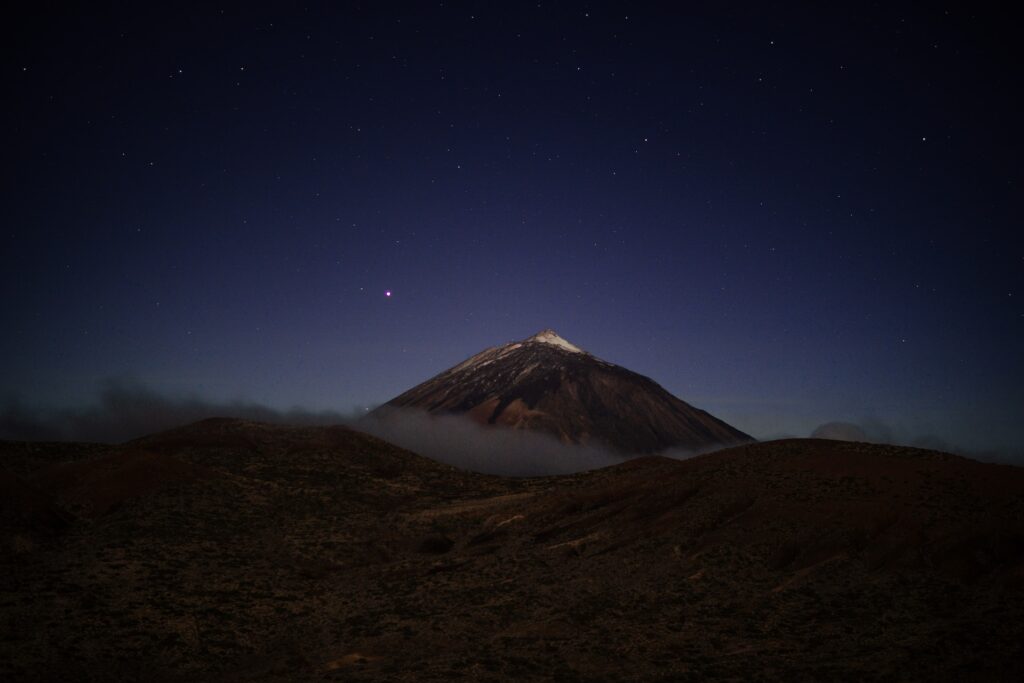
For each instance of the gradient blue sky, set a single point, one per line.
(784, 216)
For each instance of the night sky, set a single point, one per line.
(786, 215)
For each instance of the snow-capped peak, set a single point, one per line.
(551, 337)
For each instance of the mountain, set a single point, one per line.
(252, 552)
(547, 384)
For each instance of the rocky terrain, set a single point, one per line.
(547, 384)
(231, 550)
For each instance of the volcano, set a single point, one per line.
(548, 384)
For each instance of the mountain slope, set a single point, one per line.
(547, 384)
(317, 553)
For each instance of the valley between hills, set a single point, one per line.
(236, 551)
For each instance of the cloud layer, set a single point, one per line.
(127, 409)
(876, 431)
(493, 450)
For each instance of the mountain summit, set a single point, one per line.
(548, 384)
(551, 337)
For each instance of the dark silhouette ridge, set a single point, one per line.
(239, 550)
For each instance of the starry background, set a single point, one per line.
(785, 215)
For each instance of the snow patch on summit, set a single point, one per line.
(551, 337)
(479, 360)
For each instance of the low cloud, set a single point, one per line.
(876, 431)
(684, 454)
(463, 443)
(127, 409)
(839, 431)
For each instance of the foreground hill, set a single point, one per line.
(230, 550)
(549, 385)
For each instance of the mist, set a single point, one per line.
(458, 441)
(127, 409)
(873, 430)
